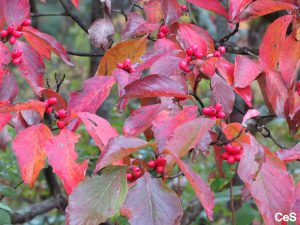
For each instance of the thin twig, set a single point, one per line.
(219, 143)
(241, 50)
(59, 82)
(228, 36)
(48, 14)
(85, 54)
(198, 99)
(265, 132)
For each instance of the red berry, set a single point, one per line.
(238, 157)
(189, 51)
(221, 115)
(184, 8)
(20, 28)
(151, 163)
(160, 169)
(136, 169)
(17, 34)
(228, 148)
(189, 59)
(298, 84)
(217, 54)
(26, 22)
(16, 54)
(10, 29)
(52, 101)
(61, 124)
(183, 65)
(61, 114)
(230, 160)
(164, 29)
(132, 70)
(194, 48)
(46, 104)
(198, 55)
(127, 62)
(17, 61)
(222, 49)
(218, 107)
(49, 110)
(213, 117)
(160, 161)
(12, 40)
(236, 150)
(160, 35)
(206, 111)
(138, 174)
(120, 65)
(224, 155)
(3, 33)
(129, 177)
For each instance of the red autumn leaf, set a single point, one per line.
(264, 181)
(5, 138)
(289, 59)
(296, 203)
(189, 34)
(44, 44)
(232, 131)
(8, 88)
(150, 201)
(289, 155)
(166, 66)
(251, 113)
(141, 119)
(263, 7)
(95, 91)
(243, 77)
(272, 43)
(217, 155)
(29, 147)
(49, 93)
(4, 119)
(274, 91)
(245, 94)
(171, 10)
(236, 7)
(202, 189)
(62, 156)
(38, 106)
(99, 128)
(137, 25)
(32, 68)
(153, 11)
(15, 11)
(155, 86)
(222, 93)
(212, 5)
(5, 57)
(118, 148)
(168, 120)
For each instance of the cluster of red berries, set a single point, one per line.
(126, 65)
(134, 173)
(192, 54)
(232, 154)
(12, 34)
(163, 31)
(159, 164)
(16, 56)
(214, 112)
(221, 51)
(59, 115)
(184, 8)
(298, 87)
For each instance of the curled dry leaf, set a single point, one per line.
(102, 30)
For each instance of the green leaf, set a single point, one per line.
(7, 191)
(98, 198)
(246, 214)
(5, 207)
(4, 217)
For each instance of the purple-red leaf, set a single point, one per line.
(29, 147)
(171, 10)
(212, 5)
(155, 86)
(118, 148)
(289, 155)
(15, 11)
(8, 88)
(151, 202)
(62, 156)
(5, 57)
(99, 128)
(95, 91)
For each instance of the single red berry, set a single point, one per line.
(184, 8)
(17, 61)
(61, 124)
(61, 114)
(160, 169)
(26, 22)
(46, 104)
(136, 169)
(228, 148)
(160, 161)
(3, 33)
(138, 174)
(151, 163)
(224, 155)
(164, 29)
(221, 115)
(238, 157)
(129, 177)
(230, 160)
(160, 35)
(198, 55)
(16, 54)
(194, 48)
(189, 59)
(218, 107)
(183, 65)
(187, 69)
(11, 29)
(127, 62)
(236, 150)
(17, 34)
(52, 101)
(217, 54)
(12, 40)
(206, 111)
(49, 110)
(120, 65)
(189, 51)
(222, 49)
(213, 117)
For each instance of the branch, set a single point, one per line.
(69, 12)
(48, 14)
(221, 143)
(228, 36)
(265, 132)
(241, 50)
(85, 54)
